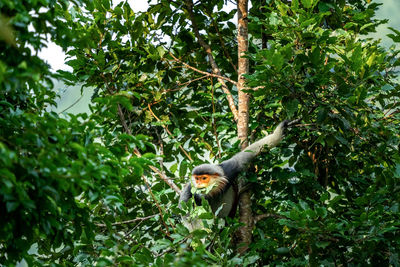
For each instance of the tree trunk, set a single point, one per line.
(246, 216)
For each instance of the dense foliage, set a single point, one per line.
(101, 189)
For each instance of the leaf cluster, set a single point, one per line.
(91, 189)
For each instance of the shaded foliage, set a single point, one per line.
(83, 190)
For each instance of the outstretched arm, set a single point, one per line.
(270, 140)
(237, 163)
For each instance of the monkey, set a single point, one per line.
(220, 180)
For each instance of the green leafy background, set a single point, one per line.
(92, 190)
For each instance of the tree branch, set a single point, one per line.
(128, 221)
(213, 119)
(161, 175)
(214, 66)
(136, 151)
(220, 77)
(267, 215)
(170, 134)
(157, 204)
(227, 55)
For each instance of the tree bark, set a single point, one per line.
(245, 212)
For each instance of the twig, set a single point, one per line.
(170, 134)
(214, 66)
(189, 82)
(213, 121)
(128, 221)
(70, 106)
(267, 215)
(162, 176)
(227, 55)
(293, 122)
(219, 76)
(157, 204)
(386, 116)
(170, 249)
(136, 151)
(123, 121)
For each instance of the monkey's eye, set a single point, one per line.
(204, 178)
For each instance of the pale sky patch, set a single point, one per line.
(53, 53)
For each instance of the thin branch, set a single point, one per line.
(167, 180)
(128, 221)
(257, 87)
(293, 122)
(214, 66)
(170, 134)
(386, 116)
(214, 125)
(219, 76)
(171, 248)
(136, 152)
(123, 121)
(157, 204)
(267, 215)
(227, 55)
(70, 106)
(163, 177)
(161, 144)
(189, 82)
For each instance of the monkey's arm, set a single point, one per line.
(186, 193)
(239, 161)
(190, 223)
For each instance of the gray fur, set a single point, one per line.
(225, 200)
(243, 158)
(208, 169)
(185, 193)
(230, 169)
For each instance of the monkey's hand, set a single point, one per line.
(281, 129)
(241, 159)
(270, 140)
(293, 122)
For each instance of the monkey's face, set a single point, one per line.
(205, 180)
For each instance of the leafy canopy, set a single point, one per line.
(79, 189)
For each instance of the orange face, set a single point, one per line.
(204, 180)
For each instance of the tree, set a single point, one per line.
(57, 182)
(176, 81)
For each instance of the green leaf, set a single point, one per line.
(322, 244)
(161, 51)
(307, 3)
(77, 147)
(292, 107)
(125, 259)
(282, 250)
(206, 216)
(11, 206)
(106, 4)
(397, 171)
(173, 168)
(356, 58)
(322, 115)
(183, 167)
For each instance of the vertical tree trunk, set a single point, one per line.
(246, 216)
